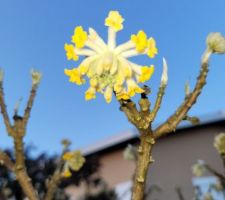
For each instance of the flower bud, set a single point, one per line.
(216, 43)
(66, 143)
(187, 89)
(219, 143)
(198, 169)
(130, 153)
(36, 77)
(164, 78)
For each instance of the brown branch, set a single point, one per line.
(6, 161)
(178, 116)
(4, 110)
(144, 160)
(20, 169)
(158, 102)
(214, 172)
(179, 193)
(129, 108)
(140, 119)
(53, 185)
(29, 104)
(55, 180)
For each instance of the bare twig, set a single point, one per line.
(214, 172)
(158, 102)
(4, 110)
(29, 104)
(55, 180)
(17, 132)
(179, 193)
(6, 161)
(173, 121)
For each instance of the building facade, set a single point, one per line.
(174, 156)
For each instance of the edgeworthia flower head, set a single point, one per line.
(107, 64)
(73, 160)
(219, 143)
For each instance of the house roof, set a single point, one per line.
(130, 134)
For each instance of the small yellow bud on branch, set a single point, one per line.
(36, 77)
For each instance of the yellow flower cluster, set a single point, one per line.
(74, 161)
(143, 44)
(114, 20)
(79, 38)
(107, 65)
(75, 76)
(70, 52)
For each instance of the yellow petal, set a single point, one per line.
(67, 156)
(140, 40)
(146, 73)
(114, 20)
(122, 96)
(152, 50)
(75, 76)
(67, 173)
(90, 94)
(108, 94)
(70, 52)
(80, 37)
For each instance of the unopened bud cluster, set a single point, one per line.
(219, 143)
(216, 43)
(36, 77)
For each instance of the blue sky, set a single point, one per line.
(33, 33)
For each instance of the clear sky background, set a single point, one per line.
(33, 33)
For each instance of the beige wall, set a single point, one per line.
(176, 154)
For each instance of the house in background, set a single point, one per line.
(174, 155)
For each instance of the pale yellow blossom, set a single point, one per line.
(106, 64)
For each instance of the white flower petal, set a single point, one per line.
(89, 43)
(97, 39)
(129, 53)
(136, 68)
(84, 52)
(111, 38)
(124, 67)
(124, 47)
(89, 60)
(99, 67)
(114, 66)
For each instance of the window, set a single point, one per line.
(207, 184)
